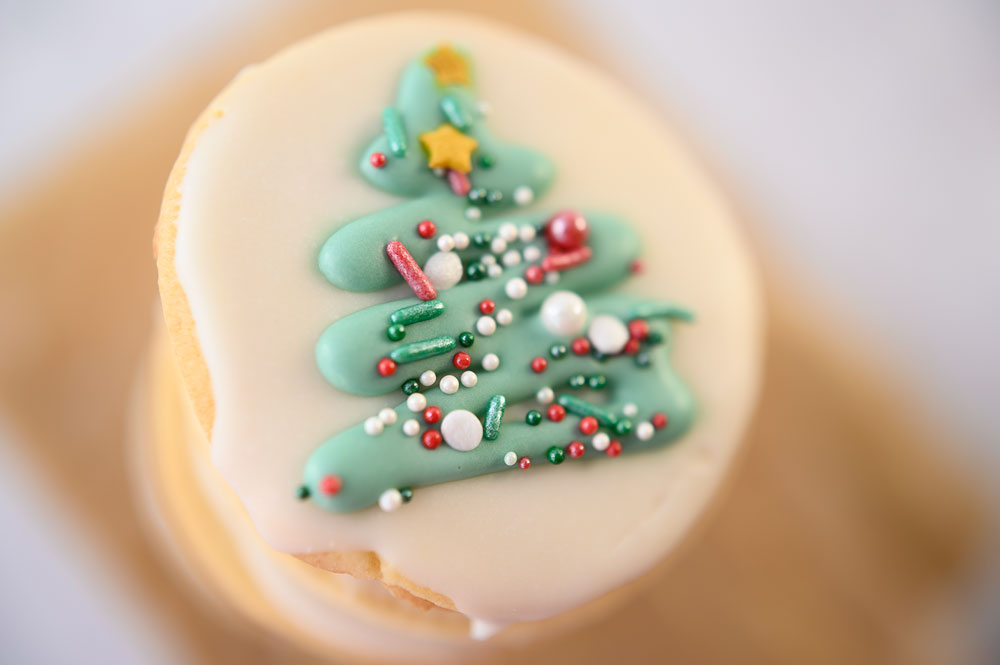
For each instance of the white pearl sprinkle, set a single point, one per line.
(600, 441)
(526, 233)
(390, 500)
(644, 431)
(461, 240)
(498, 245)
(516, 288)
(523, 195)
(532, 254)
(469, 378)
(510, 459)
(473, 213)
(494, 270)
(411, 427)
(449, 384)
(445, 243)
(487, 259)
(484, 107)
(563, 313)
(373, 426)
(439, 172)
(511, 258)
(387, 416)
(630, 410)
(551, 277)
(462, 430)
(607, 333)
(416, 402)
(491, 361)
(486, 325)
(504, 317)
(428, 378)
(507, 231)
(545, 395)
(443, 269)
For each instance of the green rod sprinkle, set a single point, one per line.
(395, 133)
(580, 407)
(420, 312)
(453, 111)
(434, 346)
(494, 416)
(661, 311)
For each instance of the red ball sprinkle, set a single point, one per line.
(386, 367)
(461, 360)
(576, 449)
(377, 159)
(432, 414)
(486, 306)
(632, 346)
(637, 267)
(581, 346)
(660, 420)
(534, 274)
(431, 439)
(524, 462)
(426, 229)
(538, 365)
(567, 229)
(330, 485)
(556, 412)
(614, 449)
(638, 329)
(588, 425)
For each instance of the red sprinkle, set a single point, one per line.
(431, 439)
(461, 360)
(576, 449)
(377, 160)
(524, 462)
(386, 367)
(426, 229)
(566, 260)
(632, 346)
(459, 183)
(637, 267)
(432, 414)
(534, 275)
(660, 420)
(330, 485)
(556, 412)
(638, 329)
(486, 306)
(614, 449)
(411, 272)
(581, 346)
(538, 365)
(588, 425)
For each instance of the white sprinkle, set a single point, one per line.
(507, 231)
(504, 317)
(644, 431)
(439, 172)
(511, 258)
(491, 361)
(510, 459)
(494, 270)
(600, 441)
(446, 243)
(390, 500)
(484, 107)
(545, 395)
(449, 384)
(461, 240)
(630, 410)
(473, 213)
(498, 245)
(443, 269)
(532, 254)
(487, 259)
(516, 288)
(524, 195)
(469, 378)
(607, 333)
(373, 426)
(428, 378)
(416, 402)
(526, 233)
(411, 427)
(387, 416)
(563, 313)
(551, 277)
(486, 325)
(462, 430)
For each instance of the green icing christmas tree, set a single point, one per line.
(515, 350)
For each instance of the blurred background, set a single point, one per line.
(862, 138)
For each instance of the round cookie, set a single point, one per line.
(283, 161)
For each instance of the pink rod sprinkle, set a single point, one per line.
(459, 182)
(411, 272)
(566, 260)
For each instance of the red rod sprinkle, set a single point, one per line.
(459, 182)
(411, 272)
(566, 259)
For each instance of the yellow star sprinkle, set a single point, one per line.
(449, 67)
(448, 148)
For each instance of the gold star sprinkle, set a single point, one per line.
(449, 67)
(448, 148)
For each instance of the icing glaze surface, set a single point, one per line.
(275, 175)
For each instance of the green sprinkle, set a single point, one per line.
(557, 350)
(466, 339)
(486, 161)
(533, 417)
(476, 195)
(654, 337)
(475, 271)
(302, 493)
(581, 408)
(420, 312)
(495, 196)
(597, 382)
(396, 332)
(661, 311)
(494, 417)
(642, 359)
(482, 239)
(623, 427)
(410, 386)
(427, 348)
(599, 357)
(454, 112)
(555, 455)
(577, 381)
(406, 493)
(395, 134)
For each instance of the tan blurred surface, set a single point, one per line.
(838, 542)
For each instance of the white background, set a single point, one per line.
(864, 134)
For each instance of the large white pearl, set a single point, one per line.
(462, 430)
(390, 500)
(564, 313)
(608, 334)
(444, 269)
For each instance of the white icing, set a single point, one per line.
(270, 179)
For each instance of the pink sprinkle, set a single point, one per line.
(459, 182)
(566, 259)
(411, 272)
